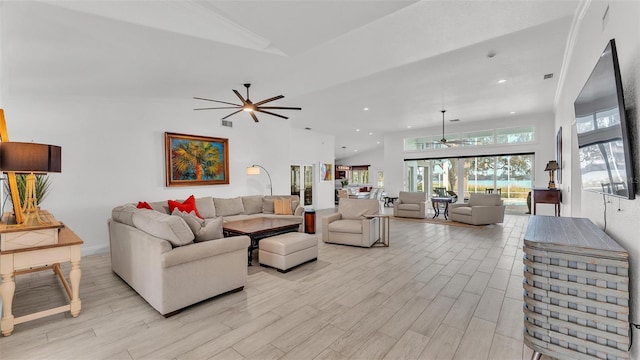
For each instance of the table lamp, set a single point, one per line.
(30, 158)
(551, 167)
(255, 170)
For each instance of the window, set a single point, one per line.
(476, 138)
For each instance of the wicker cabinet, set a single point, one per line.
(576, 290)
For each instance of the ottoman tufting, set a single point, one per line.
(286, 251)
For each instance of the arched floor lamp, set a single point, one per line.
(255, 170)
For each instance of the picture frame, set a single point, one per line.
(559, 155)
(196, 160)
(326, 172)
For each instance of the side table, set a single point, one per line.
(384, 229)
(38, 258)
(436, 200)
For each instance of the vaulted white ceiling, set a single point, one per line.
(404, 60)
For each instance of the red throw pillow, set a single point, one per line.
(187, 206)
(144, 205)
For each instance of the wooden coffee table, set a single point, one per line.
(259, 228)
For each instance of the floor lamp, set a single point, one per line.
(255, 170)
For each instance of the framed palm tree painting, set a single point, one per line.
(196, 160)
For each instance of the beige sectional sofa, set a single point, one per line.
(175, 261)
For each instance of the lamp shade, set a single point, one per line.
(253, 170)
(23, 157)
(551, 166)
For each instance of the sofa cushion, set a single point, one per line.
(346, 226)
(160, 206)
(252, 204)
(203, 229)
(412, 207)
(267, 205)
(188, 205)
(211, 230)
(171, 228)
(282, 207)
(225, 207)
(355, 209)
(124, 213)
(205, 207)
(461, 210)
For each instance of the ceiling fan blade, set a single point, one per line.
(218, 101)
(240, 97)
(212, 108)
(270, 113)
(280, 108)
(253, 115)
(233, 113)
(269, 100)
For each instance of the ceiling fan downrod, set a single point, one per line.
(443, 140)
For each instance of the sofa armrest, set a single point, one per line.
(370, 231)
(326, 220)
(298, 211)
(205, 249)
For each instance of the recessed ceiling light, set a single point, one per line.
(502, 81)
(370, 133)
(513, 112)
(344, 147)
(491, 55)
(548, 76)
(366, 109)
(357, 129)
(356, 150)
(408, 126)
(378, 143)
(454, 120)
(307, 128)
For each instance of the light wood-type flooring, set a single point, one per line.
(438, 292)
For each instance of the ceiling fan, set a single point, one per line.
(446, 142)
(249, 106)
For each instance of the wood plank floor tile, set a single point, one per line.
(408, 347)
(430, 295)
(443, 344)
(476, 342)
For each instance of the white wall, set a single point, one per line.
(590, 39)
(314, 148)
(113, 153)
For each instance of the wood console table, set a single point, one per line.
(576, 290)
(36, 258)
(547, 196)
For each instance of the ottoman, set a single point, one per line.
(286, 251)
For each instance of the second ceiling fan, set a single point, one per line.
(446, 142)
(249, 106)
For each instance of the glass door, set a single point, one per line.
(302, 183)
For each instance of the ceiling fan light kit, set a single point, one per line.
(249, 106)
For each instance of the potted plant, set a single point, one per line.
(42, 187)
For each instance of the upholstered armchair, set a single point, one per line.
(349, 226)
(481, 209)
(411, 204)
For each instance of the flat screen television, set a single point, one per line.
(606, 164)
